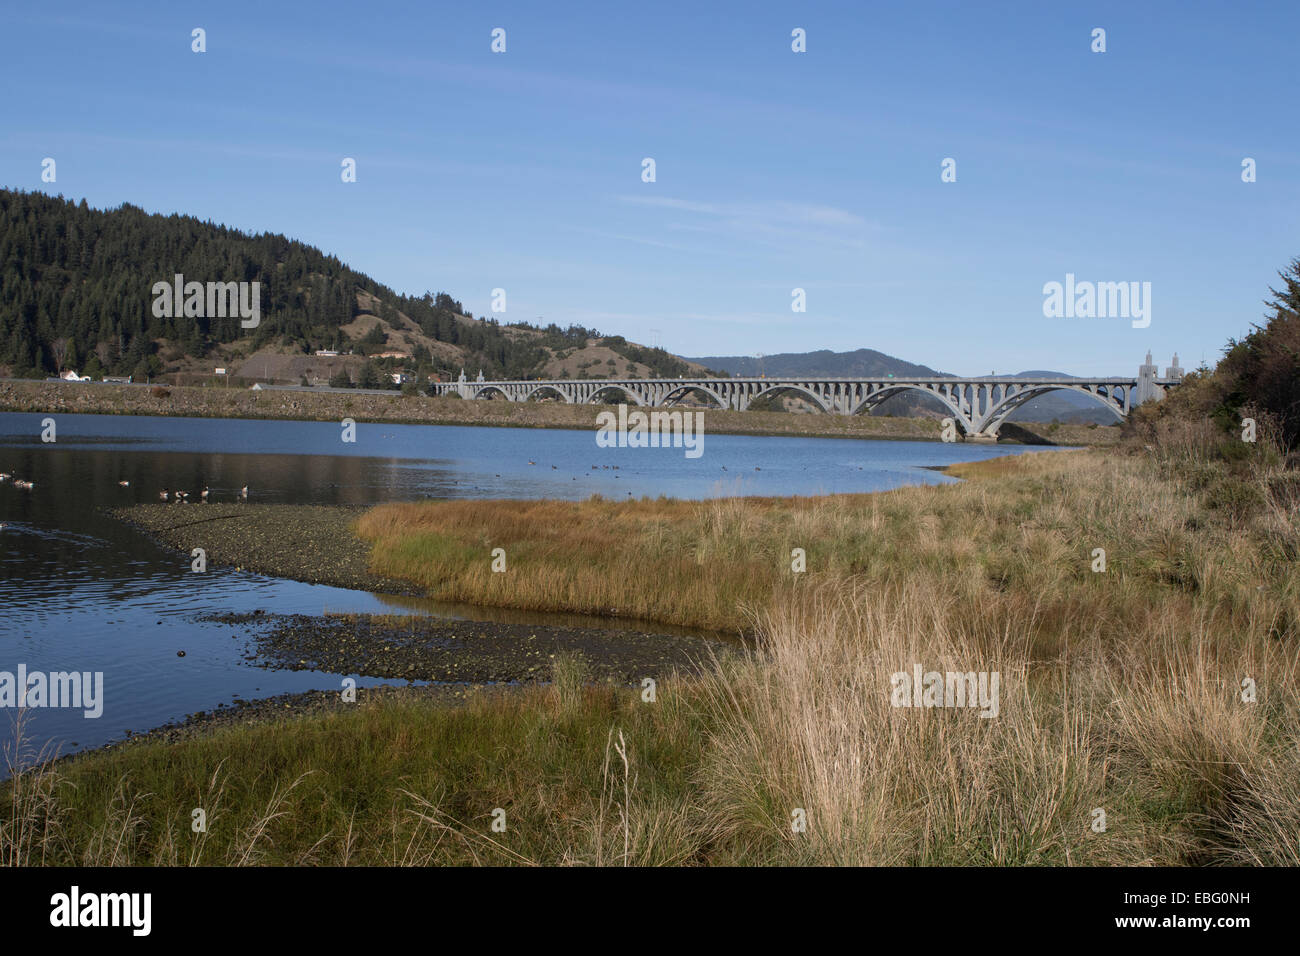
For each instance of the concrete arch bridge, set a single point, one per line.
(978, 406)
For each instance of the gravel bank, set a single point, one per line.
(414, 647)
(311, 543)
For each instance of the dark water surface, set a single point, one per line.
(80, 591)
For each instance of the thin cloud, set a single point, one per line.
(772, 211)
(780, 224)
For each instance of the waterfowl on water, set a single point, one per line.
(243, 492)
(125, 484)
(163, 494)
(204, 493)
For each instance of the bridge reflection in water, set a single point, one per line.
(979, 406)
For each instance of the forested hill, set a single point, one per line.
(76, 293)
(866, 363)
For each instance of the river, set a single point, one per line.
(81, 591)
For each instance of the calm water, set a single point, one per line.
(79, 591)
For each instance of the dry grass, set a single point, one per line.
(1120, 691)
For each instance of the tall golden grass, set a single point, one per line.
(1123, 692)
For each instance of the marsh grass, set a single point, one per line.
(1120, 691)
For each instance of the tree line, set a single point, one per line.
(76, 293)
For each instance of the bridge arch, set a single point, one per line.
(484, 391)
(889, 391)
(554, 389)
(1116, 400)
(677, 394)
(791, 387)
(634, 397)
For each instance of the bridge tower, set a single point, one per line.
(1146, 385)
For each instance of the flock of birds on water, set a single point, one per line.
(181, 497)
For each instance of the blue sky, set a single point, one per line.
(775, 170)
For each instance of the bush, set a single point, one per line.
(1263, 369)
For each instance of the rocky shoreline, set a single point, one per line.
(309, 543)
(420, 648)
(459, 660)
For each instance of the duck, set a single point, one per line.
(163, 494)
(204, 493)
(243, 492)
(5, 476)
(125, 484)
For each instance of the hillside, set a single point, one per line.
(76, 292)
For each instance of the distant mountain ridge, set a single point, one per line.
(867, 363)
